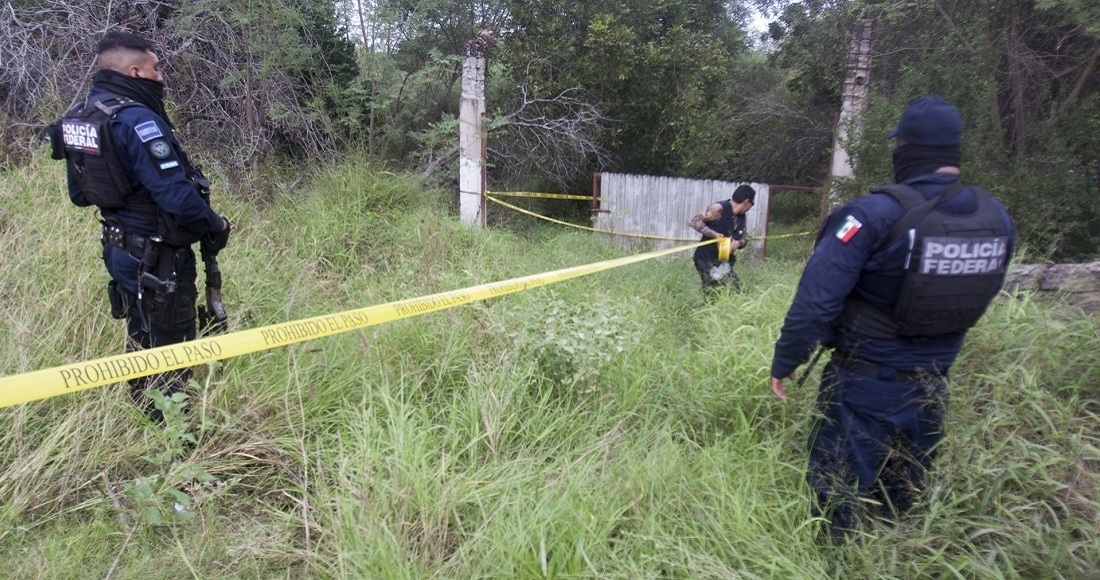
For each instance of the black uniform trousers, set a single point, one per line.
(123, 266)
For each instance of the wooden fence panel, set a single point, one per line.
(662, 206)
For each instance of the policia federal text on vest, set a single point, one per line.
(954, 267)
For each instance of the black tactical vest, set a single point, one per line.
(83, 138)
(953, 268)
(728, 225)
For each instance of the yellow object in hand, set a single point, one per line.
(724, 249)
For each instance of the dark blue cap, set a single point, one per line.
(929, 121)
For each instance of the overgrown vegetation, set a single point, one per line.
(610, 426)
(676, 87)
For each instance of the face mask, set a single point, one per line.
(911, 160)
(145, 91)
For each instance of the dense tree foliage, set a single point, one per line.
(674, 87)
(659, 69)
(1024, 76)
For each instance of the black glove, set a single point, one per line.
(215, 242)
(57, 143)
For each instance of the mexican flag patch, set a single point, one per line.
(848, 229)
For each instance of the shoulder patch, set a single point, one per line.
(848, 229)
(147, 131)
(160, 149)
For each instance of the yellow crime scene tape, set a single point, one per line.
(540, 195)
(586, 228)
(630, 235)
(724, 249)
(781, 236)
(75, 377)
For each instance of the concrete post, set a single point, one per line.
(470, 133)
(857, 81)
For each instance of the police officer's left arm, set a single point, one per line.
(831, 273)
(157, 165)
(76, 195)
(1010, 230)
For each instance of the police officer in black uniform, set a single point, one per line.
(896, 280)
(122, 157)
(722, 219)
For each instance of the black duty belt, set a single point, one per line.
(118, 238)
(860, 367)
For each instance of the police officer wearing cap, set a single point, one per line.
(722, 219)
(122, 158)
(894, 283)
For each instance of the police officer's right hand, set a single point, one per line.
(779, 389)
(216, 241)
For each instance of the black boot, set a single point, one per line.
(843, 522)
(168, 384)
(142, 401)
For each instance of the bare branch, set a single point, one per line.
(554, 136)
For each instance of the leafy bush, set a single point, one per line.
(573, 343)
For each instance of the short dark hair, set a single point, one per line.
(117, 39)
(744, 192)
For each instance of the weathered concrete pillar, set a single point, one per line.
(471, 136)
(857, 79)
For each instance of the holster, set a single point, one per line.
(212, 316)
(163, 303)
(122, 302)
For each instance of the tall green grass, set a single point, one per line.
(613, 426)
